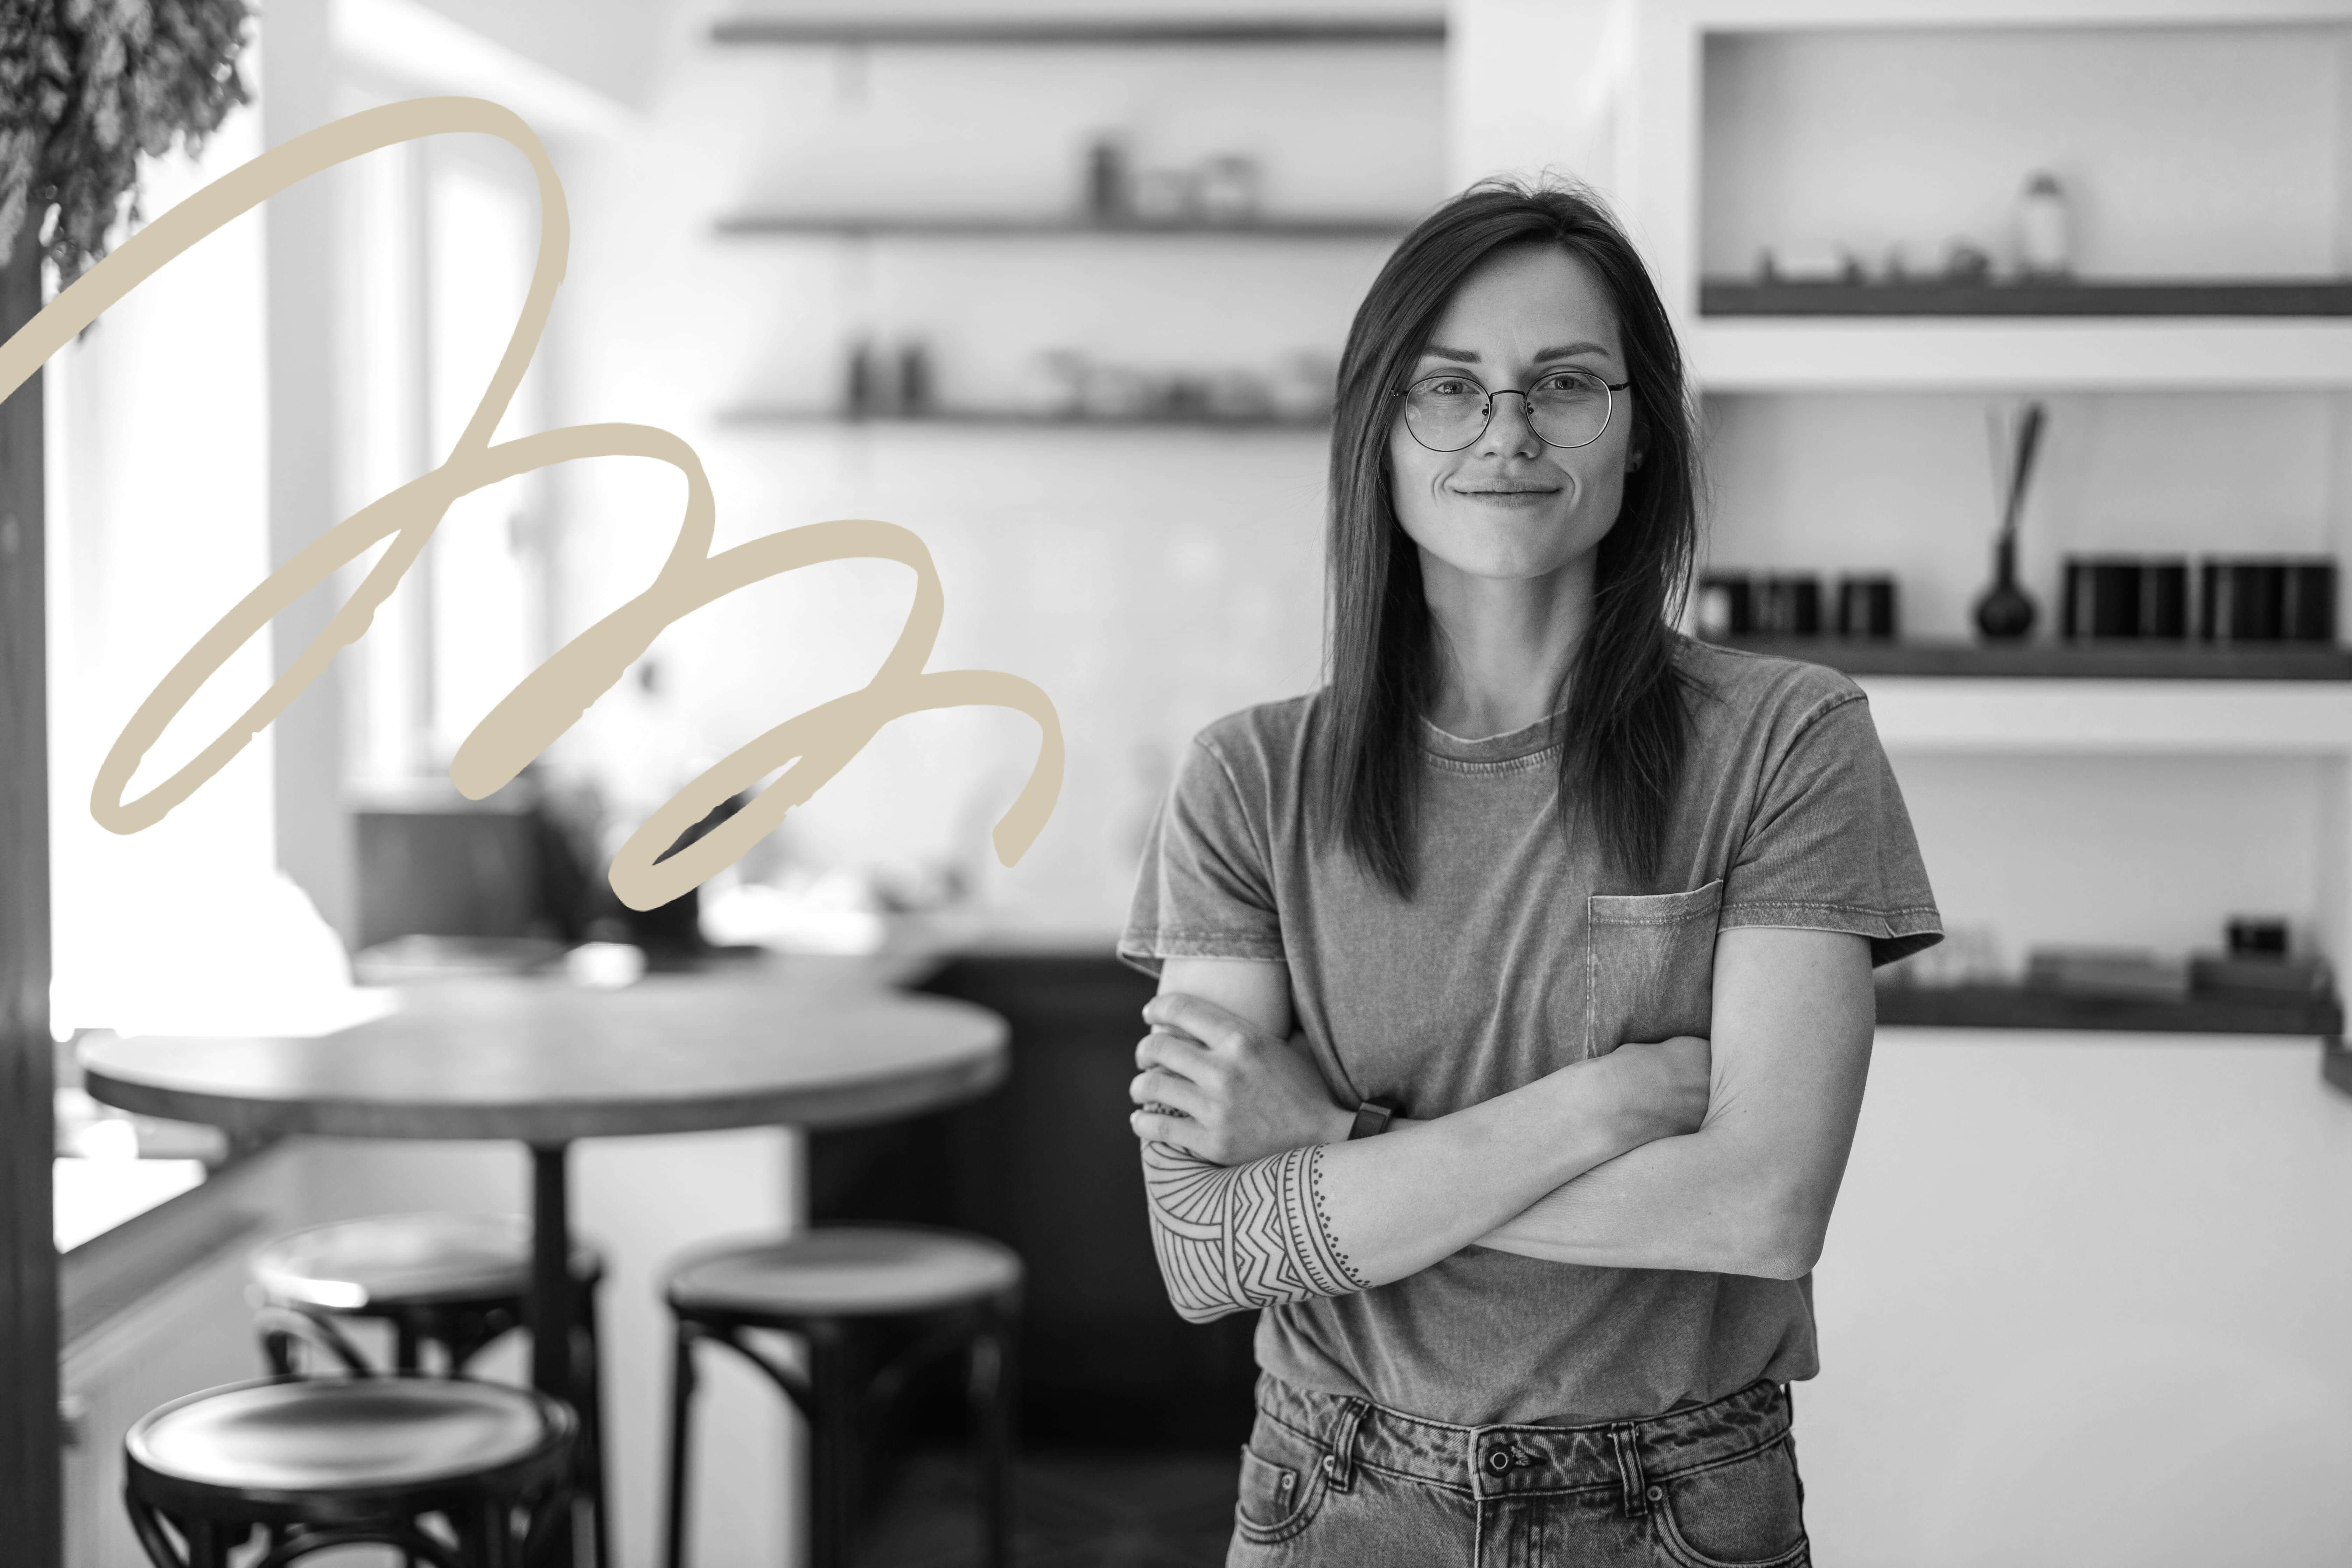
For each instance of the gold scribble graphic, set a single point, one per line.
(811, 748)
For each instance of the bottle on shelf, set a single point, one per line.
(914, 380)
(859, 389)
(1107, 181)
(2045, 242)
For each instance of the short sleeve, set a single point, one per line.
(1204, 888)
(1830, 846)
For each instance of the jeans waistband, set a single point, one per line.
(1492, 1461)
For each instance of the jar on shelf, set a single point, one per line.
(1229, 189)
(915, 379)
(1106, 194)
(1167, 195)
(2045, 229)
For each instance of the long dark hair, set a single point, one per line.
(1628, 723)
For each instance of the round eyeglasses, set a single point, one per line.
(1448, 411)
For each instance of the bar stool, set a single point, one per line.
(835, 1287)
(445, 1281)
(326, 1462)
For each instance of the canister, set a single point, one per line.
(1866, 608)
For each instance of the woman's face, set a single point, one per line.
(1507, 505)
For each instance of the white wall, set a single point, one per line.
(1149, 582)
(2083, 1304)
(1534, 86)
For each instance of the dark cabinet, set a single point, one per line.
(1047, 1166)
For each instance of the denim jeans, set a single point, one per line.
(1333, 1481)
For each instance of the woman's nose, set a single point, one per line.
(1508, 428)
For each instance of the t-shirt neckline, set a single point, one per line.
(1509, 746)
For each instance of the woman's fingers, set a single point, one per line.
(1151, 1127)
(1157, 1087)
(1175, 1053)
(1203, 1020)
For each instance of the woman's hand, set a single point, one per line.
(1239, 1094)
(1663, 1085)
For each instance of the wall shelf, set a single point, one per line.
(2011, 1007)
(2054, 716)
(1932, 297)
(2065, 662)
(1000, 419)
(2114, 353)
(935, 32)
(760, 225)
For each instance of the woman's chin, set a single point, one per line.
(1510, 554)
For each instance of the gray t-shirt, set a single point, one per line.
(1514, 959)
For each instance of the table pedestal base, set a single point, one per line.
(551, 1324)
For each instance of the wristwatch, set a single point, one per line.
(1371, 1117)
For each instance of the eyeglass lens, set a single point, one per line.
(1567, 408)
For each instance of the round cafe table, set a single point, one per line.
(542, 1061)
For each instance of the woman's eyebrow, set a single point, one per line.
(1470, 356)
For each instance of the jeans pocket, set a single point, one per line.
(1282, 1483)
(1747, 1513)
(1649, 966)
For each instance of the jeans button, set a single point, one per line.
(1499, 1461)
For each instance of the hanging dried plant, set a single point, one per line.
(87, 85)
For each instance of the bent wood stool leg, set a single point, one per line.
(589, 1381)
(833, 1437)
(681, 1427)
(995, 1388)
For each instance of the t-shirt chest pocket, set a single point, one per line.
(1649, 966)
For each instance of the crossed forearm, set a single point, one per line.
(1235, 1237)
(1701, 1202)
(1332, 1219)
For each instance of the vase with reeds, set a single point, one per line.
(2005, 611)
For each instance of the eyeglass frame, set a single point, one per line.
(1613, 389)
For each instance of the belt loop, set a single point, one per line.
(1629, 1470)
(1339, 1464)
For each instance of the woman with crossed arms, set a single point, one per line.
(1574, 919)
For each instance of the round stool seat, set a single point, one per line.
(406, 1259)
(340, 1435)
(847, 1271)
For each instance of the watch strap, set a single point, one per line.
(1371, 1117)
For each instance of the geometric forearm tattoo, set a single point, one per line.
(1231, 1237)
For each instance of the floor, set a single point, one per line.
(1073, 1510)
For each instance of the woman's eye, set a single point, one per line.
(1450, 387)
(1568, 383)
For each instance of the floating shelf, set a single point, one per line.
(2000, 715)
(982, 226)
(2062, 661)
(1984, 353)
(1013, 419)
(959, 32)
(1932, 297)
(1989, 1007)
